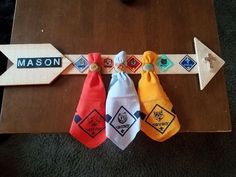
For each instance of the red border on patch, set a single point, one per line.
(133, 68)
(108, 68)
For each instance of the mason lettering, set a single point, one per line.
(45, 62)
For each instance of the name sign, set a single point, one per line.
(45, 62)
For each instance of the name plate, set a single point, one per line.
(45, 62)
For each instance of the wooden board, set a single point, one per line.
(26, 73)
(81, 26)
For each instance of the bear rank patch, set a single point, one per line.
(160, 119)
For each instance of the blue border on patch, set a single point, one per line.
(81, 64)
(188, 63)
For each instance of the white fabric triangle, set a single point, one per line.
(122, 108)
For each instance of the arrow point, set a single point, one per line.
(204, 71)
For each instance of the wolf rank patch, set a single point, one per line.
(122, 121)
(160, 119)
(81, 64)
(93, 124)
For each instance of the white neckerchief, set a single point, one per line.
(122, 107)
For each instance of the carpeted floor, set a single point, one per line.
(201, 155)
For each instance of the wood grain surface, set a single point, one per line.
(108, 26)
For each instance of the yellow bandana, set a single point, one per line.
(159, 122)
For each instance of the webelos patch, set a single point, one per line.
(81, 64)
(45, 62)
(122, 121)
(93, 123)
(188, 63)
(133, 64)
(160, 119)
(164, 63)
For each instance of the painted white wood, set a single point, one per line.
(206, 70)
(175, 69)
(30, 76)
(208, 64)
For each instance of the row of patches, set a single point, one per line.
(159, 119)
(133, 64)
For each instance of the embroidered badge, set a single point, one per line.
(122, 121)
(133, 64)
(108, 64)
(81, 64)
(93, 124)
(160, 119)
(188, 63)
(164, 63)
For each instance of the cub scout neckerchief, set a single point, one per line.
(159, 121)
(88, 125)
(122, 107)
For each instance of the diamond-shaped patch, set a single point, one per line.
(133, 64)
(93, 124)
(122, 121)
(188, 63)
(108, 64)
(81, 64)
(160, 119)
(164, 63)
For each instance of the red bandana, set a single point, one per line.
(88, 125)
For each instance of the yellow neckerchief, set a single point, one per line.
(159, 122)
